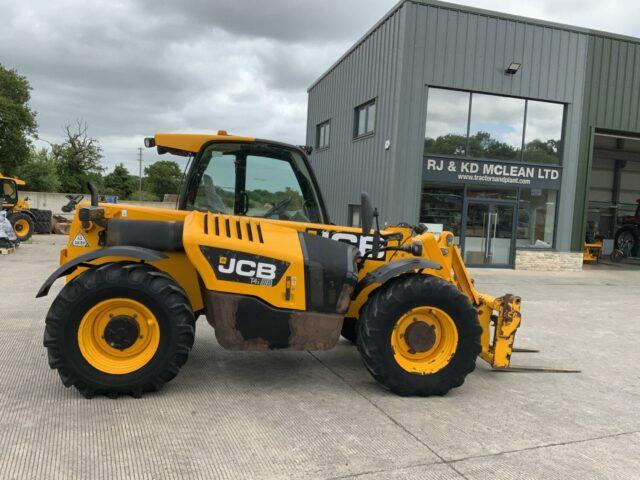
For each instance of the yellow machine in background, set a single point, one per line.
(592, 251)
(20, 215)
(251, 247)
(593, 243)
(25, 220)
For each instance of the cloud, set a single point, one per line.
(131, 68)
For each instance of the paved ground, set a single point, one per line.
(303, 415)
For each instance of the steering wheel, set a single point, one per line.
(282, 204)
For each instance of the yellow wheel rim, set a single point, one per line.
(424, 340)
(118, 336)
(21, 227)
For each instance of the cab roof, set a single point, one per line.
(15, 179)
(188, 143)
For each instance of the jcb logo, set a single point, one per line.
(242, 267)
(247, 268)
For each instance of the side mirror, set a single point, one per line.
(366, 213)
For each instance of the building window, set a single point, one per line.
(354, 216)
(536, 218)
(447, 122)
(493, 127)
(365, 119)
(496, 127)
(442, 205)
(322, 135)
(543, 135)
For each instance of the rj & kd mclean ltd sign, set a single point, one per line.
(487, 172)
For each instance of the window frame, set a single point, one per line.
(520, 158)
(305, 175)
(366, 106)
(319, 128)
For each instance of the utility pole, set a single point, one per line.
(140, 170)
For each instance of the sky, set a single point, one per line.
(130, 68)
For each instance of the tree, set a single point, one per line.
(163, 177)
(119, 182)
(39, 172)
(480, 145)
(17, 120)
(77, 158)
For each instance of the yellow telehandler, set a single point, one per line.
(25, 220)
(251, 247)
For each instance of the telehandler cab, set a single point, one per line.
(251, 247)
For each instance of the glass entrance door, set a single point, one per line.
(488, 234)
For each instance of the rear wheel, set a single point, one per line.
(23, 225)
(419, 335)
(628, 241)
(121, 328)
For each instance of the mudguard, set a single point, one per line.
(393, 269)
(140, 253)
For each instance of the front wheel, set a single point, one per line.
(120, 328)
(23, 225)
(419, 335)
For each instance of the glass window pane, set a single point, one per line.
(544, 132)
(216, 191)
(273, 189)
(536, 218)
(496, 127)
(442, 205)
(447, 116)
(326, 134)
(362, 121)
(371, 118)
(354, 215)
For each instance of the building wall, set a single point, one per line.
(611, 102)
(349, 166)
(457, 48)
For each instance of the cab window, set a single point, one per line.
(9, 191)
(273, 191)
(217, 182)
(257, 180)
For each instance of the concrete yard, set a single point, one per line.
(234, 415)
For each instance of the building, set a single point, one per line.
(514, 133)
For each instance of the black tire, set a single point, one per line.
(22, 234)
(617, 256)
(43, 220)
(389, 303)
(631, 233)
(140, 282)
(350, 329)
(43, 227)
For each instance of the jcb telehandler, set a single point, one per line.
(25, 220)
(251, 247)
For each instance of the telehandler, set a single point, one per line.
(252, 248)
(25, 220)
